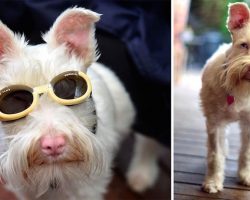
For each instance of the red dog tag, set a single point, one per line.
(230, 99)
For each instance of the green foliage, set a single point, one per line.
(223, 27)
(211, 15)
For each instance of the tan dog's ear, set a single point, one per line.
(75, 28)
(7, 40)
(238, 16)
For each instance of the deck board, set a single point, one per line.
(190, 148)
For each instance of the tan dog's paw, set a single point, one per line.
(244, 176)
(212, 186)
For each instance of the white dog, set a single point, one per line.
(62, 148)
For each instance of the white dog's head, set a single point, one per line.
(54, 142)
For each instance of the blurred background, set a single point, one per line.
(199, 28)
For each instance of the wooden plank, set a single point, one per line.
(195, 190)
(197, 179)
(200, 169)
(234, 142)
(188, 149)
(179, 124)
(196, 150)
(182, 129)
(191, 197)
(189, 140)
(180, 138)
(189, 158)
(197, 165)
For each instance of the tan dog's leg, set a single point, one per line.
(215, 158)
(244, 159)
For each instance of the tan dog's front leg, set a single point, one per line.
(215, 158)
(244, 158)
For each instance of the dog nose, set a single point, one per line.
(53, 145)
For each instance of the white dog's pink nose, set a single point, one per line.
(53, 145)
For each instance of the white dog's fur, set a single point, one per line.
(84, 169)
(225, 98)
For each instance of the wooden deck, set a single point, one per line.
(190, 148)
(118, 189)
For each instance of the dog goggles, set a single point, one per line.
(68, 88)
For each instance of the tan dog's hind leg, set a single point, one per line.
(244, 158)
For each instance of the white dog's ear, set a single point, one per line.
(7, 40)
(238, 15)
(75, 28)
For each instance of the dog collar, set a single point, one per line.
(230, 99)
(94, 127)
(54, 184)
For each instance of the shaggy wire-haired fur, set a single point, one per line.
(83, 170)
(225, 98)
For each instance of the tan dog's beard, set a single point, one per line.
(232, 77)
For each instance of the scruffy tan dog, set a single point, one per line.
(225, 97)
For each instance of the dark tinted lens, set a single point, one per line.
(70, 87)
(13, 102)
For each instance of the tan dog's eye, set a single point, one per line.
(244, 45)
